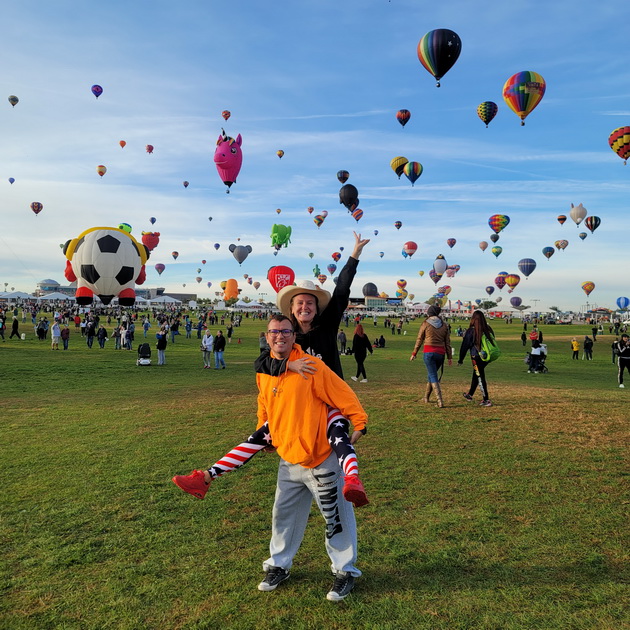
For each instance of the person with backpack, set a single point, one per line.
(479, 340)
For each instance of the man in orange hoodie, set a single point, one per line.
(295, 410)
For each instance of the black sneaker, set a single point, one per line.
(275, 576)
(341, 588)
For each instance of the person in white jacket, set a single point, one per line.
(207, 344)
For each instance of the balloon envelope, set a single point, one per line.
(623, 303)
(592, 223)
(578, 213)
(483, 245)
(369, 290)
(438, 50)
(280, 276)
(412, 171)
(522, 92)
(398, 164)
(97, 90)
(619, 141)
(160, 268)
(496, 250)
(527, 265)
(498, 222)
(587, 287)
(516, 302)
(487, 111)
(343, 176)
(403, 116)
(410, 248)
(548, 252)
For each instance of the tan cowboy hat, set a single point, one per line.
(285, 295)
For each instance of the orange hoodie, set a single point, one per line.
(296, 410)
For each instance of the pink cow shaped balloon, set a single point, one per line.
(228, 158)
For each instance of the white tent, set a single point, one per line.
(17, 295)
(56, 295)
(243, 304)
(164, 299)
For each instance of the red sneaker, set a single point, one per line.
(354, 491)
(193, 484)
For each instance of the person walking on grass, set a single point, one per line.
(219, 348)
(434, 335)
(56, 335)
(207, 345)
(360, 346)
(472, 343)
(623, 357)
(65, 336)
(162, 341)
(294, 416)
(588, 348)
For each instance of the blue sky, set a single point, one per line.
(322, 81)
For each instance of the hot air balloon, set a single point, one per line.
(14, 100)
(496, 250)
(404, 254)
(588, 287)
(445, 290)
(37, 207)
(516, 302)
(151, 240)
(203, 262)
(209, 284)
(381, 254)
(487, 111)
(318, 220)
(410, 248)
(217, 245)
(11, 180)
(412, 171)
(483, 246)
(451, 242)
(490, 290)
(561, 219)
(578, 213)
(185, 184)
(398, 164)
(228, 158)
(499, 281)
(175, 255)
(245, 275)
(336, 256)
(375, 232)
(101, 170)
(122, 144)
(494, 237)
(256, 285)
(322, 277)
(310, 209)
(349, 197)
(125, 227)
(438, 50)
(149, 148)
(512, 280)
(357, 214)
(343, 176)
(280, 153)
(440, 265)
(527, 266)
(152, 220)
(97, 90)
(619, 141)
(198, 279)
(331, 268)
(230, 290)
(561, 244)
(240, 252)
(401, 284)
(403, 116)
(198, 269)
(522, 92)
(592, 223)
(280, 235)
(160, 268)
(226, 114)
(623, 303)
(548, 252)
(498, 222)
(398, 224)
(582, 235)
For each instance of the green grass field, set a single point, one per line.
(509, 517)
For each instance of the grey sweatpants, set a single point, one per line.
(296, 488)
